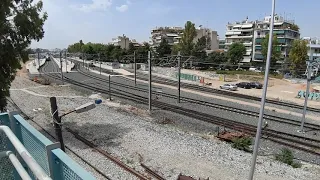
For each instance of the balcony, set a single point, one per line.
(314, 54)
(247, 43)
(239, 37)
(46, 156)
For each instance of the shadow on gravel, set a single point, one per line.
(100, 134)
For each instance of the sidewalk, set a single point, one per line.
(33, 66)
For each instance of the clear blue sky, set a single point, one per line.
(101, 20)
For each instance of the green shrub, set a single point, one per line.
(242, 143)
(296, 165)
(286, 156)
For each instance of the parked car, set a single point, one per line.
(245, 85)
(256, 85)
(231, 87)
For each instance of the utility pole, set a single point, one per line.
(61, 67)
(263, 98)
(150, 90)
(56, 121)
(179, 76)
(65, 58)
(83, 59)
(99, 62)
(109, 87)
(39, 62)
(135, 68)
(309, 69)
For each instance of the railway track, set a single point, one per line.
(25, 116)
(223, 92)
(302, 143)
(309, 126)
(93, 146)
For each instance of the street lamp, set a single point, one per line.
(57, 118)
(264, 94)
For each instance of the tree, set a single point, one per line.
(175, 49)
(163, 48)
(298, 55)
(116, 53)
(236, 52)
(276, 53)
(88, 48)
(186, 43)
(217, 57)
(199, 48)
(21, 22)
(131, 48)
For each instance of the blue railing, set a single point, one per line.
(47, 154)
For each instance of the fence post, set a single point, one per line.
(56, 121)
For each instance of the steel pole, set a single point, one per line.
(56, 121)
(264, 93)
(65, 58)
(150, 90)
(109, 87)
(39, 62)
(135, 68)
(179, 76)
(99, 62)
(61, 67)
(82, 60)
(309, 68)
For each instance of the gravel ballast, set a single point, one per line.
(134, 136)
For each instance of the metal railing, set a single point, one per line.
(41, 158)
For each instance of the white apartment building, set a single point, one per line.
(136, 43)
(251, 34)
(122, 41)
(315, 49)
(241, 32)
(173, 36)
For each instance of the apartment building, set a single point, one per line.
(173, 36)
(251, 34)
(222, 44)
(285, 30)
(315, 49)
(241, 32)
(122, 41)
(136, 43)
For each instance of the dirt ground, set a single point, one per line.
(278, 89)
(23, 72)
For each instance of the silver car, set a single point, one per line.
(231, 87)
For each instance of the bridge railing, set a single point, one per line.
(57, 164)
